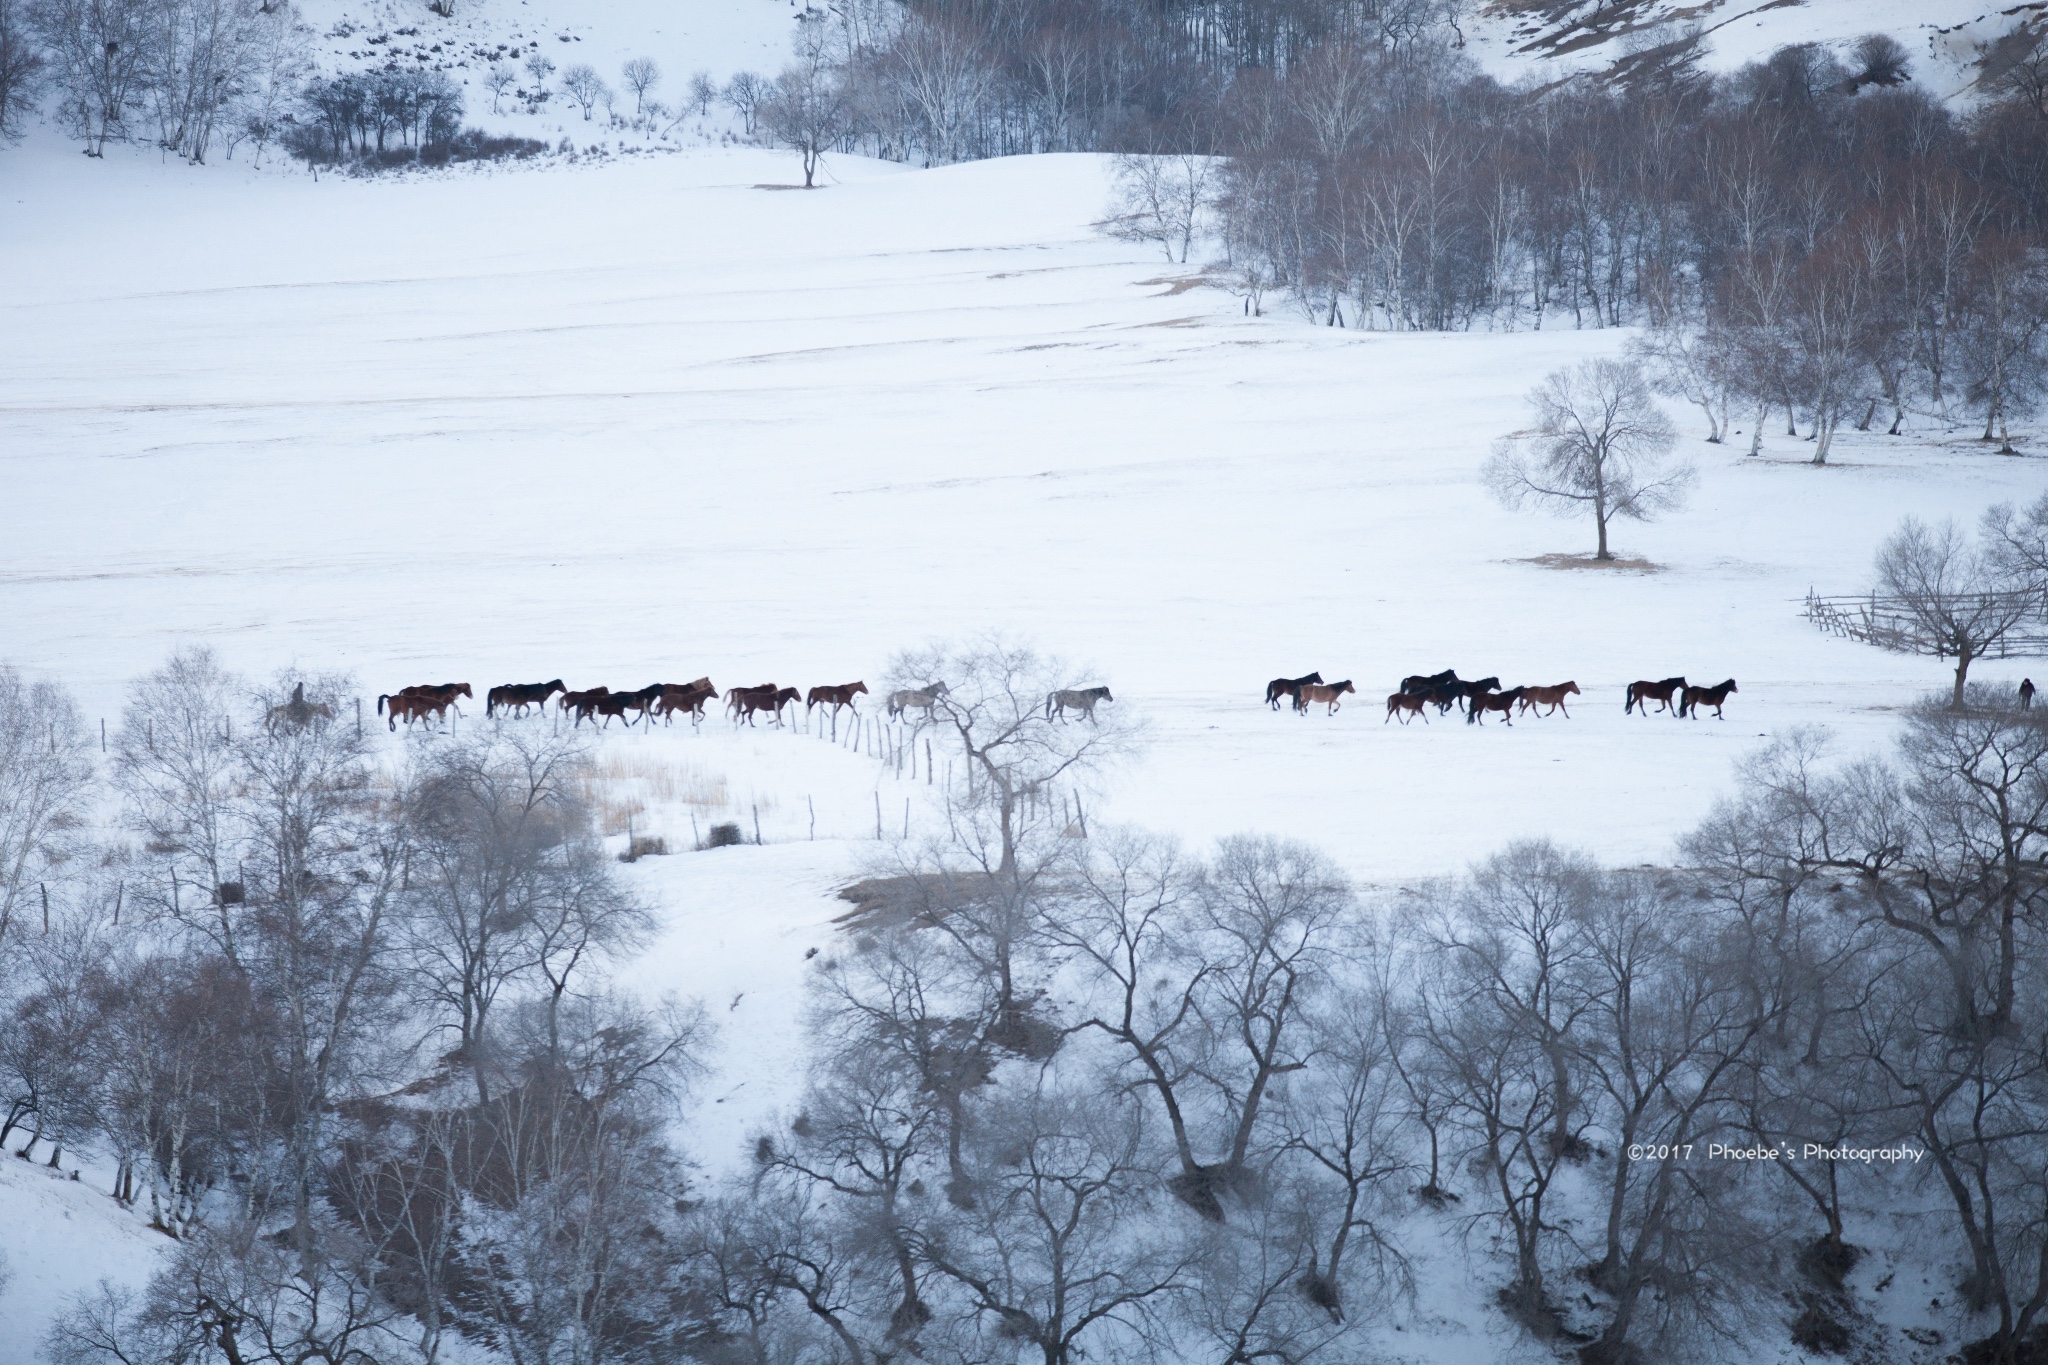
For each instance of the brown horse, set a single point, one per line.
(1689, 700)
(417, 707)
(835, 697)
(684, 697)
(734, 696)
(1311, 693)
(1552, 697)
(583, 703)
(1407, 704)
(769, 699)
(1479, 703)
(743, 702)
(441, 692)
(1643, 693)
(1289, 688)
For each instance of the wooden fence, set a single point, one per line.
(1887, 623)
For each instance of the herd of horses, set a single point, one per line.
(1476, 699)
(1479, 698)
(600, 705)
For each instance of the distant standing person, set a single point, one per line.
(2026, 694)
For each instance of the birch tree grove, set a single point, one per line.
(341, 1027)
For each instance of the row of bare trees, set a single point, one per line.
(346, 1034)
(186, 74)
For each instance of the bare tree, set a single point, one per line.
(503, 874)
(1160, 199)
(499, 80)
(585, 86)
(179, 770)
(1055, 1259)
(98, 50)
(703, 90)
(743, 94)
(641, 75)
(805, 109)
(1503, 962)
(1016, 760)
(1954, 599)
(1687, 358)
(2005, 341)
(45, 768)
(1600, 445)
(22, 69)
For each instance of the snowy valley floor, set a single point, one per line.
(668, 418)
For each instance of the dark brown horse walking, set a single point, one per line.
(1289, 688)
(1689, 700)
(445, 693)
(1643, 693)
(835, 697)
(1479, 703)
(684, 697)
(1407, 704)
(583, 703)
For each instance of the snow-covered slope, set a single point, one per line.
(60, 1236)
(1546, 39)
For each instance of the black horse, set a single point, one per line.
(519, 696)
(1289, 688)
(1467, 691)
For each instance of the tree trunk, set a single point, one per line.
(1962, 676)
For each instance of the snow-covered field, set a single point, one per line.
(653, 420)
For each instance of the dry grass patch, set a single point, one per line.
(1557, 561)
(624, 783)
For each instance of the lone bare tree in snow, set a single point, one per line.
(1600, 444)
(805, 109)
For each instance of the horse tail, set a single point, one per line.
(1630, 704)
(382, 697)
(1048, 704)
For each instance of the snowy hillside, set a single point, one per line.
(1545, 39)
